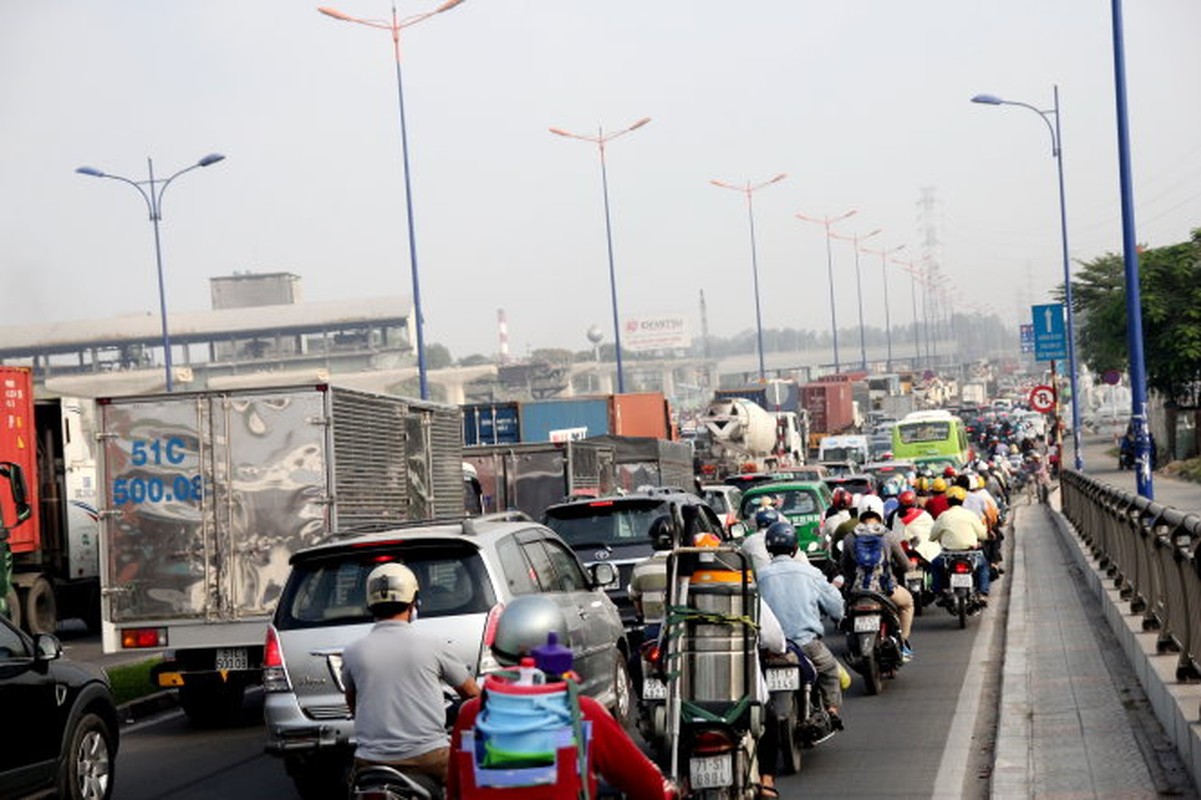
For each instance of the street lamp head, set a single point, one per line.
(988, 99)
(92, 171)
(560, 132)
(639, 124)
(870, 235)
(210, 159)
(778, 178)
(850, 213)
(335, 13)
(447, 6)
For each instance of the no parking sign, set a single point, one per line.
(1042, 399)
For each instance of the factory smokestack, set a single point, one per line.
(502, 330)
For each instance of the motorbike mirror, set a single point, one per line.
(738, 530)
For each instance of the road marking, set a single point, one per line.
(957, 754)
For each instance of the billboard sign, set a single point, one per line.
(655, 332)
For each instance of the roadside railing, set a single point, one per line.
(1150, 552)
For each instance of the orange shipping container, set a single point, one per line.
(641, 414)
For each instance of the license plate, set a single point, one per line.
(232, 658)
(711, 772)
(915, 575)
(654, 689)
(782, 679)
(961, 581)
(868, 624)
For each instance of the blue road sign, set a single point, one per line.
(1050, 333)
(1027, 338)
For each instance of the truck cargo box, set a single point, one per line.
(18, 444)
(533, 476)
(830, 405)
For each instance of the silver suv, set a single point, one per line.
(467, 571)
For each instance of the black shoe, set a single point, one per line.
(982, 601)
(836, 722)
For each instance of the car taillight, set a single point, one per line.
(275, 673)
(134, 638)
(490, 624)
(961, 567)
(712, 742)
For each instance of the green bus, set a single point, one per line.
(932, 438)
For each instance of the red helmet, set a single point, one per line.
(907, 498)
(949, 472)
(841, 498)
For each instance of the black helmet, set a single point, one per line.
(766, 517)
(663, 532)
(780, 538)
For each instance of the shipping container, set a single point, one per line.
(830, 406)
(564, 419)
(491, 423)
(773, 396)
(568, 418)
(641, 414)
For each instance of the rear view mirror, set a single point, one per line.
(738, 530)
(18, 492)
(47, 647)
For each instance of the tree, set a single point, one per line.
(437, 356)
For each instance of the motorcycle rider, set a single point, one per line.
(648, 581)
(871, 523)
(754, 545)
(937, 502)
(393, 678)
(797, 594)
(957, 530)
(838, 512)
(612, 754)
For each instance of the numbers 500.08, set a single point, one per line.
(181, 488)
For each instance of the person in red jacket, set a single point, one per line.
(612, 754)
(937, 502)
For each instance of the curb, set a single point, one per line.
(1013, 759)
(1175, 704)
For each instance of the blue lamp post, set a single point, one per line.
(395, 25)
(1057, 153)
(152, 193)
(749, 190)
(600, 140)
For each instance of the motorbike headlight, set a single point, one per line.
(812, 547)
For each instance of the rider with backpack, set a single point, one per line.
(869, 557)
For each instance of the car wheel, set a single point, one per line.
(319, 777)
(88, 769)
(623, 692)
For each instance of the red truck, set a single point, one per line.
(55, 553)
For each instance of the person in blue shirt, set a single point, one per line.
(798, 594)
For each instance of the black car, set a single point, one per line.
(61, 717)
(616, 530)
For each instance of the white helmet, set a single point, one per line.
(870, 502)
(391, 583)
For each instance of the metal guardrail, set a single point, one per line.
(1152, 553)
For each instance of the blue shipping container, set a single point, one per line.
(565, 418)
(787, 392)
(491, 423)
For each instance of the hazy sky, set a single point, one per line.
(862, 102)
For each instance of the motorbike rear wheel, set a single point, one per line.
(872, 677)
(961, 611)
(790, 747)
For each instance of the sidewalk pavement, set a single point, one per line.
(1064, 730)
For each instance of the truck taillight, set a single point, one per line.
(135, 638)
(275, 674)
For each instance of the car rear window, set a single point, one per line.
(604, 522)
(786, 501)
(329, 589)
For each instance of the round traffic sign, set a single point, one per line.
(1042, 399)
(1111, 377)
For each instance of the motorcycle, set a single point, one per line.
(962, 598)
(652, 704)
(873, 628)
(713, 717)
(795, 707)
(381, 782)
(917, 579)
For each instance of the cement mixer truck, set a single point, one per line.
(744, 437)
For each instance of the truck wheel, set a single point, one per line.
(14, 606)
(41, 610)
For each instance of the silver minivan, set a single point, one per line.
(467, 571)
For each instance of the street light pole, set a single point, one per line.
(395, 26)
(749, 190)
(826, 222)
(908, 266)
(1134, 308)
(154, 205)
(855, 238)
(1057, 153)
(884, 254)
(600, 140)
